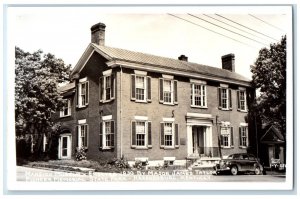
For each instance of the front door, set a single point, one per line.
(198, 140)
(64, 151)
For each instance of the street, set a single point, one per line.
(42, 175)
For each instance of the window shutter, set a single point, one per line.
(112, 90)
(148, 89)
(77, 95)
(240, 135)
(161, 90)
(133, 134)
(162, 135)
(149, 135)
(86, 93)
(231, 137)
(101, 88)
(86, 140)
(176, 136)
(101, 136)
(192, 94)
(175, 92)
(230, 99)
(238, 100)
(220, 97)
(78, 136)
(247, 139)
(222, 141)
(112, 129)
(132, 87)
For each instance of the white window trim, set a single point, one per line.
(224, 85)
(69, 109)
(172, 91)
(193, 96)
(145, 87)
(107, 72)
(104, 147)
(140, 73)
(146, 135)
(245, 100)
(228, 134)
(197, 81)
(168, 119)
(173, 134)
(227, 99)
(169, 77)
(83, 121)
(143, 118)
(107, 117)
(104, 88)
(79, 134)
(82, 81)
(245, 125)
(45, 142)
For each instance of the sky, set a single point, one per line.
(65, 31)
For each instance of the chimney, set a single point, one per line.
(228, 62)
(183, 58)
(98, 34)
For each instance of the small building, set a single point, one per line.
(129, 104)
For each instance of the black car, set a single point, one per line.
(239, 162)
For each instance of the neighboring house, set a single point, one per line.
(141, 106)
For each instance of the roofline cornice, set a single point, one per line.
(155, 68)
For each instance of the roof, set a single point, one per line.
(272, 135)
(113, 54)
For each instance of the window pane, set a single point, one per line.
(140, 82)
(224, 98)
(168, 134)
(167, 85)
(140, 133)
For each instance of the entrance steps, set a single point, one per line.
(204, 162)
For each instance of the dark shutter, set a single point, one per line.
(220, 97)
(229, 98)
(77, 135)
(112, 90)
(240, 135)
(101, 135)
(176, 136)
(192, 94)
(231, 136)
(149, 89)
(149, 135)
(222, 141)
(161, 90)
(86, 93)
(238, 100)
(162, 137)
(112, 129)
(133, 87)
(77, 94)
(133, 134)
(175, 92)
(101, 84)
(86, 140)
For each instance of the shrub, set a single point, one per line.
(80, 154)
(121, 163)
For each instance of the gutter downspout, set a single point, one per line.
(121, 132)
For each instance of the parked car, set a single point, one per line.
(239, 162)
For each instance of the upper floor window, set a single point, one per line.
(141, 133)
(227, 139)
(82, 93)
(82, 133)
(66, 109)
(168, 90)
(198, 94)
(169, 137)
(243, 135)
(107, 86)
(241, 98)
(107, 133)
(140, 87)
(224, 95)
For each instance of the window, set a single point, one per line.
(169, 135)
(82, 135)
(243, 136)
(66, 110)
(241, 97)
(140, 87)
(82, 93)
(168, 90)
(107, 86)
(106, 136)
(227, 137)
(224, 95)
(141, 134)
(198, 95)
(45, 143)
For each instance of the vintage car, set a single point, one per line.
(239, 162)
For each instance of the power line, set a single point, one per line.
(211, 30)
(246, 27)
(233, 26)
(228, 29)
(267, 23)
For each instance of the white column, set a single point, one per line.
(189, 141)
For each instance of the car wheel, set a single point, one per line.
(234, 170)
(257, 171)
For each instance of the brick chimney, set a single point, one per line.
(98, 34)
(183, 58)
(228, 62)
